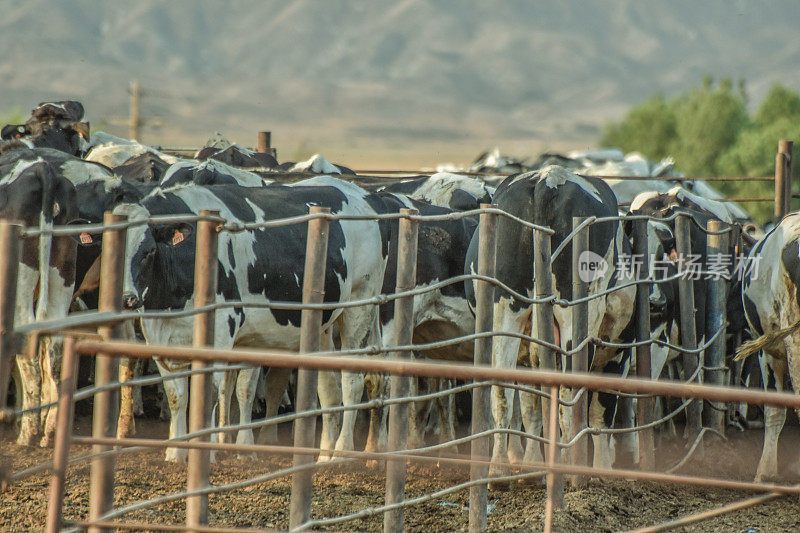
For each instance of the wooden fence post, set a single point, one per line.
(201, 389)
(644, 405)
(106, 403)
(780, 181)
(683, 241)
(717, 245)
(580, 359)
(310, 331)
(545, 331)
(408, 232)
(480, 449)
(63, 438)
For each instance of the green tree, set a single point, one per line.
(708, 122)
(780, 103)
(649, 128)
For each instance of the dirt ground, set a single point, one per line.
(603, 506)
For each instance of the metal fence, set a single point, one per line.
(544, 381)
(783, 174)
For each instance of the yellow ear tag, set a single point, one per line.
(177, 238)
(86, 238)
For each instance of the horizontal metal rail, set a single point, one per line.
(286, 359)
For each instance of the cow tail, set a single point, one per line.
(768, 339)
(46, 216)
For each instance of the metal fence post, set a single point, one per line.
(106, 403)
(717, 244)
(408, 232)
(683, 242)
(63, 438)
(9, 266)
(205, 290)
(481, 396)
(780, 182)
(786, 148)
(580, 359)
(310, 331)
(545, 331)
(644, 405)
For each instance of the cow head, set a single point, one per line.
(53, 125)
(159, 262)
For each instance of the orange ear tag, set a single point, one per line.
(86, 238)
(177, 238)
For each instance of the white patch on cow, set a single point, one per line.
(718, 209)
(78, 172)
(113, 151)
(555, 176)
(296, 279)
(21, 166)
(642, 198)
(317, 164)
(439, 188)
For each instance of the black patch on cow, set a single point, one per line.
(168, 269)
(790, 257)
(144, 168)
(231, 257)
(441, 249)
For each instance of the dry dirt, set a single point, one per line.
(603, 506)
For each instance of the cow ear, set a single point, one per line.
(82, 129)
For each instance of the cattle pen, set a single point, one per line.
(566, 456)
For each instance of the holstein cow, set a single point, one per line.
(552, 197)
(53, 125)
(258, 266)
(113, 151)
(440, 314)
(455, 191)
(770, 295)
(678, 200)
(209, 172)
(34, 193)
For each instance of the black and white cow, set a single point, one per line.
(35, 193)
(209, 172)
(113, 151)
(53, 125)
(552, 197)
(455, 191)
(770, 292)
(315, 164)
(440, 314)
(262, 265)
(237, 156)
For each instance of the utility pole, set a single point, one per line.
(134, 121)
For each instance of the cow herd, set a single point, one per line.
(53, 173)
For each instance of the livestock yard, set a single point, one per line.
(571, 348)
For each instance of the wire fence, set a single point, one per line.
(309, 358)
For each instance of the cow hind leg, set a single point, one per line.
(226, 388)
(246, 383)
(50, 360)
(774, 417)
(276, 382)
(31, 380)
(177, 393)
(601, 411)
(329, 388)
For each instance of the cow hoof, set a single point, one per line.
(26, 439)
(324, 457)
(499, 485)
(373, 464)
(537, 481)
(46, 442)
(176, 456)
